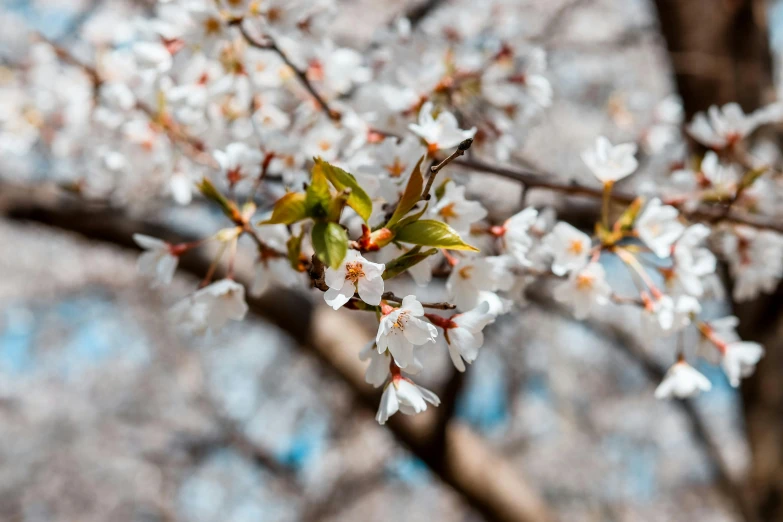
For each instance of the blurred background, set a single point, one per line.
(107, 413)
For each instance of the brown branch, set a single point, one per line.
(389, 296)
(464, 146)
(269, 44)
(464, 461)
(547, 181)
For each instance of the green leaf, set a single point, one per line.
(626, 220)
(294, 249)
(358, 199)
(410, 197)
(288, 209)
(413, 257)
(441, 188)
(318, 194)
(209, 191)
(330, 242)
(413, 217)
(750, 177)
(428, 232)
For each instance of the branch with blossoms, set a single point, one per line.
(213, 101)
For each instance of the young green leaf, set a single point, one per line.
(410, 197)
(288, 209)
(428, 232)
(294, 249)
(358, 199)
(412, 217)
(413, 257)
(330, 242)
(318, 194)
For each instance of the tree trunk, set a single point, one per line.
(720, 53)
(719, 50)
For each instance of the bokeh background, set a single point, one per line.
(109, 414)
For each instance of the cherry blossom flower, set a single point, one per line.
(442, 132)
(740, 359)
(211, 307)
(584, 290)
(682, 381)
(152, 56)
(570, 246)
(452, 208)
(474, 275)
(157, 261)
(355, 274)
(341, 68)
(658, 227)
(610, 163)
(404, 396)
(508, 82)
(378, 370)
(755, 260)
(692, 262)
(239, 161)
(401, 329)
(516, 234)
(665, 315)
(464, 334)
(727, 125)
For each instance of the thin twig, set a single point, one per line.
(465, 145)
(269, 44)
(389, 296)
(533, 179)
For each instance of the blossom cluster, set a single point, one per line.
(238, 103)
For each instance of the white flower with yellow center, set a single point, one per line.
(584, 290)
(401, 329)
(570, 247)
(355, 274)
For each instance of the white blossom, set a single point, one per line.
(239, 161)
(474, 275)
(740, 359)
(692, 262)
(404, 396)
(355, 274)
(727, 125)
(157, 262)
(465, 334)
(658, 227)
(452, 208)
(516, 234)
(378, 370)
(610, 163)
(666, 315)
(570, 247)
(211, 307)
(682, 381)
(400, 330)
(442, 132)
(584, 290)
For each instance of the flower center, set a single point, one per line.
(353, 271)
(396, 169)
(576, 247)
(465, 272)
(211, 26)
(324, 145)
(401, 320)
(584, 282)
(448, 212)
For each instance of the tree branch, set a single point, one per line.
(463, 462)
